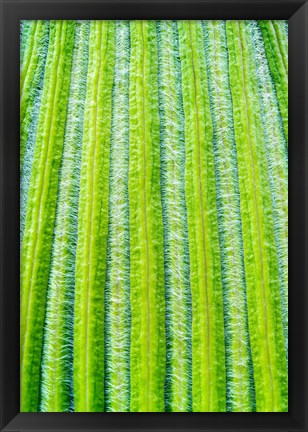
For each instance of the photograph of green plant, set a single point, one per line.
(154, 216)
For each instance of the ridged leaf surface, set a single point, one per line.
(154, 216)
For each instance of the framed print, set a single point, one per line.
(153, 160)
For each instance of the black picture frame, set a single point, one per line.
(12, 12)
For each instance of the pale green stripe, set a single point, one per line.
(277, 158)
(261, 263)
(56, 385)
(117, 332)
(36, 247)
(30, 76)
(25, 31)
(276, 46)
(208, 368)
(29, 70)
(90, 275)
(282, 40)
(178, 325)
(29, 49)
(28, 129)
(148, 363)
(240, 391)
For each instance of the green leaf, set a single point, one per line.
(117, 299)
(260, 255)
(147, 285)
(208, 351)
(43, 192)
(90, 274)
(178, 295)
(57, 359)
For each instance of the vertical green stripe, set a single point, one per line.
(238, 360)
(28, 127)
(30, 75)
(277, 159)
(26, 27)
(148, 362)
(117, 304)
(282, 40)
(208, 356)
(57, 359)
(36, 247)
(28, 52)
(178, 323)
(90, 275)
(276, 47)
(260, 255)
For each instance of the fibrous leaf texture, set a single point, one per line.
(154, 216)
